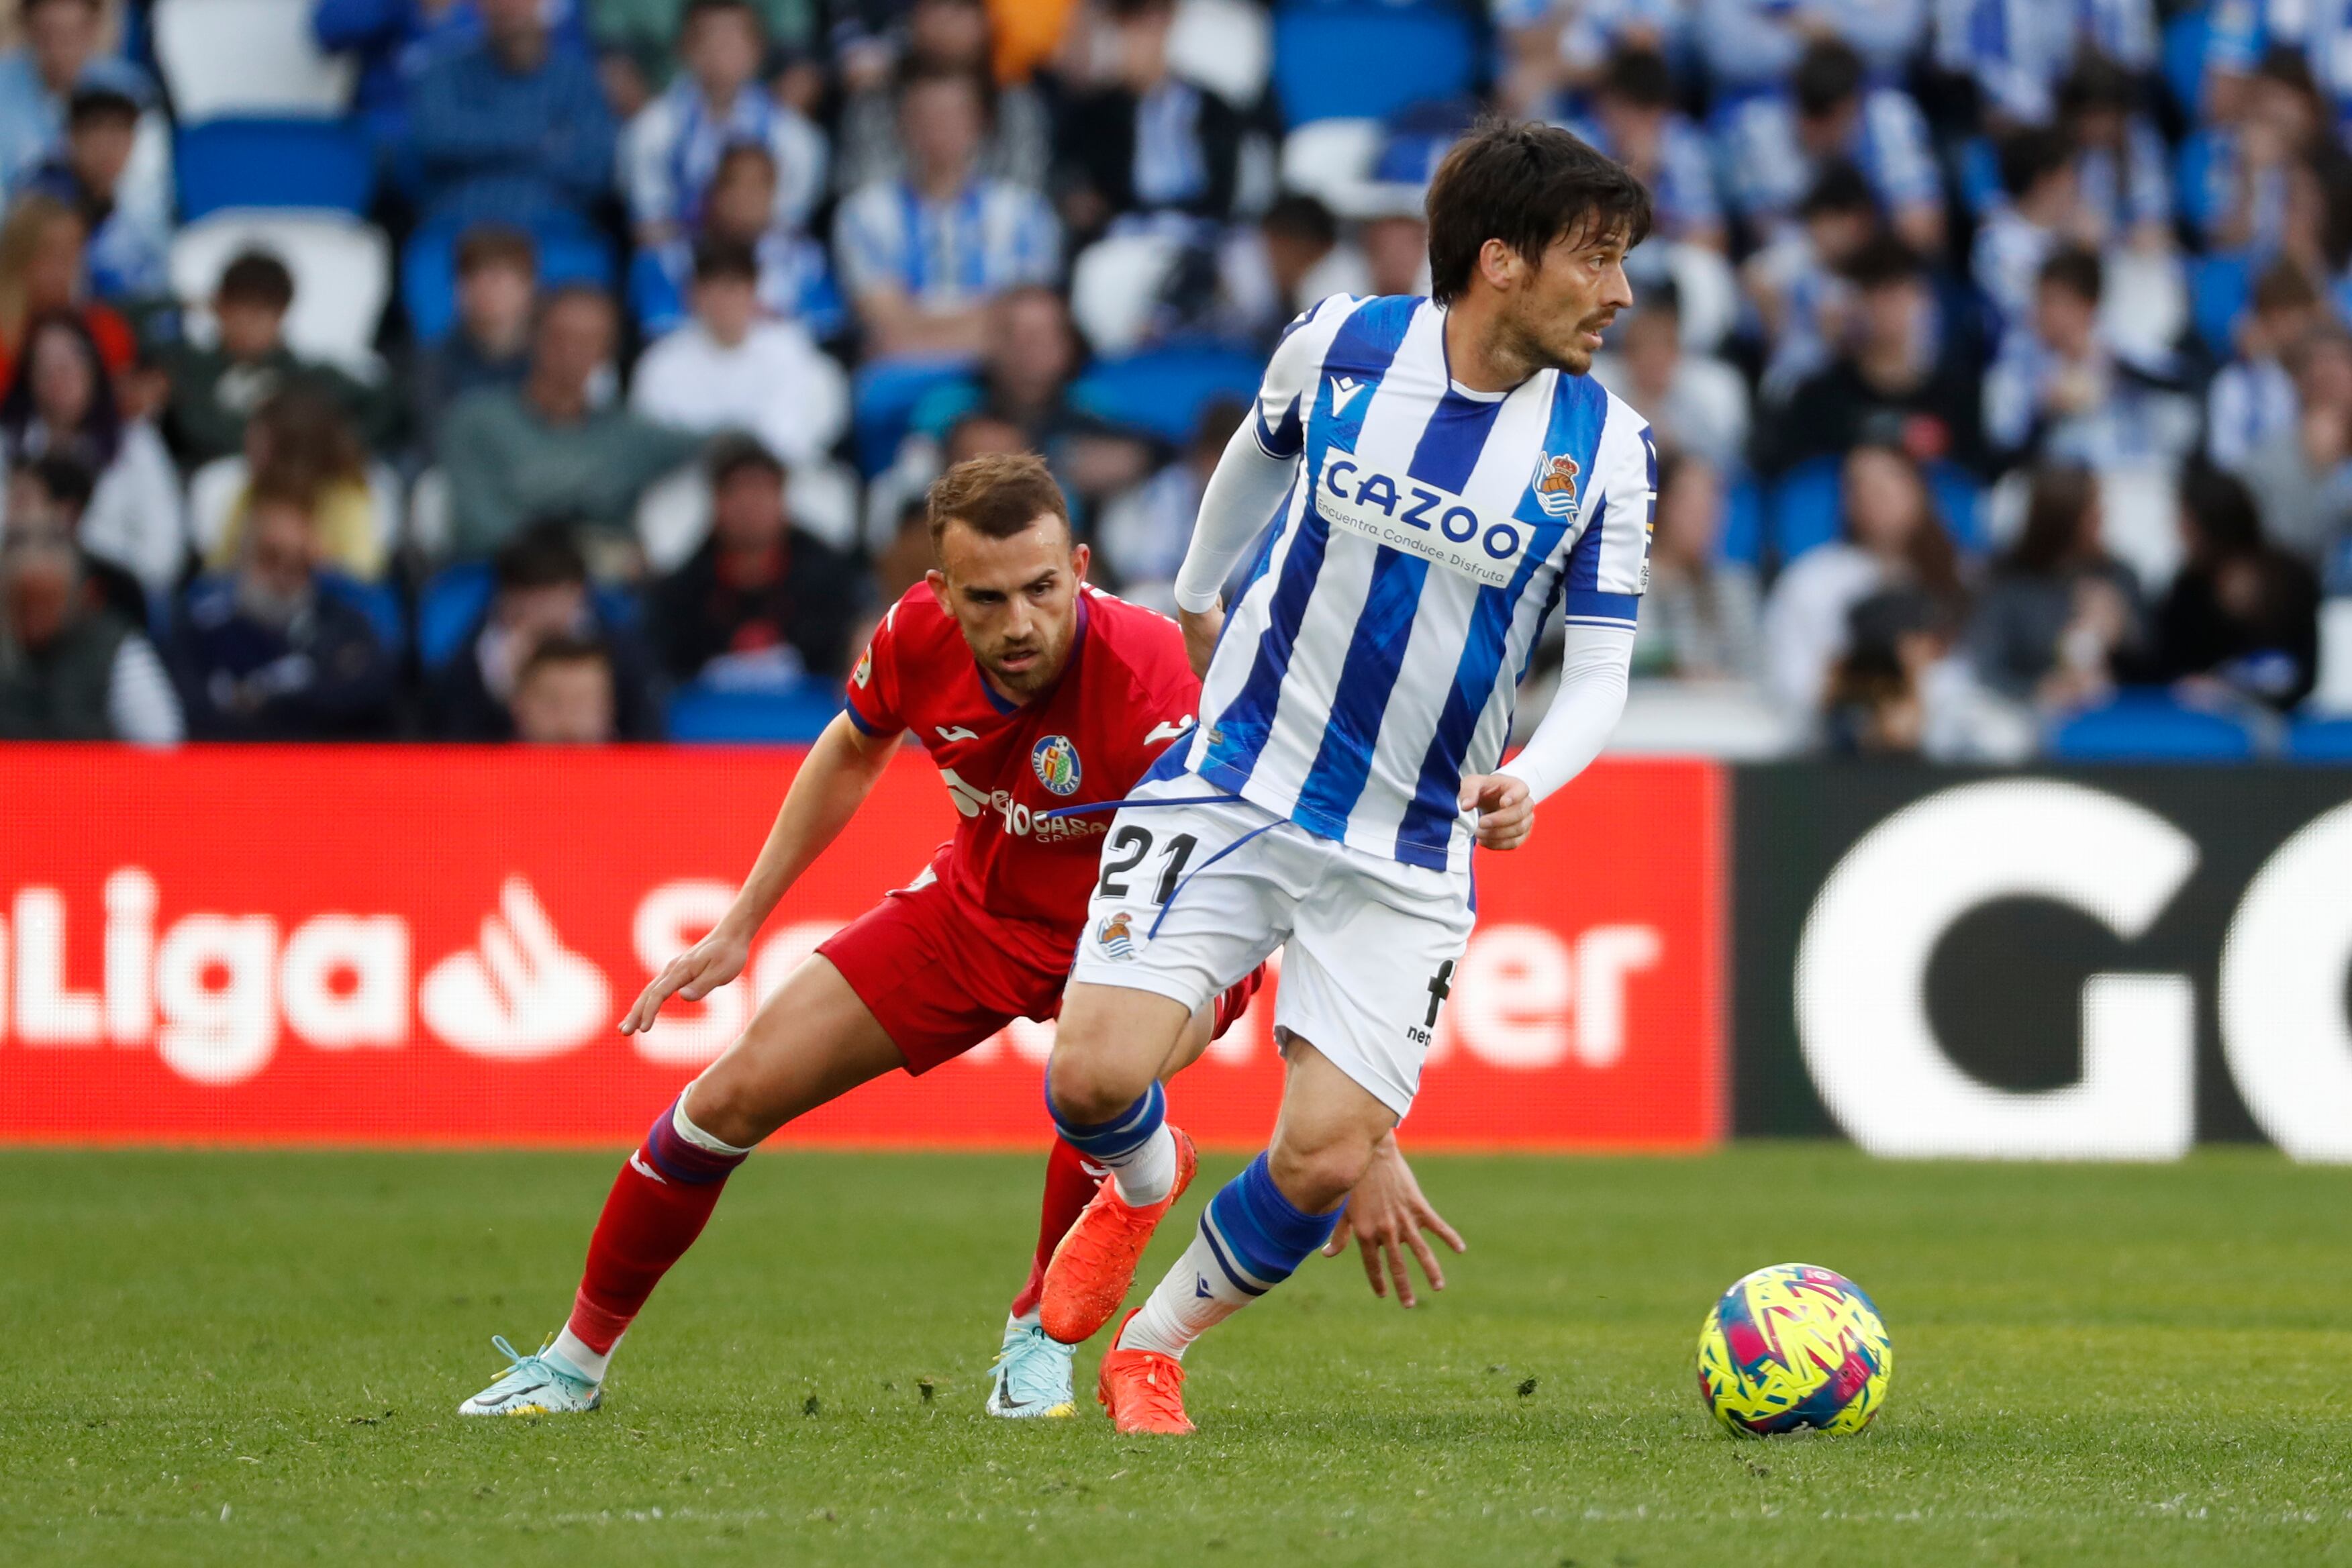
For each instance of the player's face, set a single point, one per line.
(1016, 600)
(1559, 309)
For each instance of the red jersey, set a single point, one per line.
(1125, 693)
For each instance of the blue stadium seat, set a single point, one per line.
(453, 600)
(1349, 58)
(1163, 391)
(1961, 498)
(2220, 287)
(883, 395)
(704, 713)
(2321, 741)
(1803, 508)
(428, 273)
(2150, 727)
(2183, 60)
(1742, 539)
(272, 163)
(377, 601)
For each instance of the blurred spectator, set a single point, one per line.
(563, 694)
(2302, 475)
(69, 668)
(1634, 122)
(1142, 536)
(1700, 617)
(541, 596)
(1893, 537)
(1797, 281)
(2121, 168)
(2059, 618)
(59, 53)
(390, 40)
(1695, 404)
(1897, 380)
(794, 284)
(638, 41)
(953, 34)
(2242, 36)
(1394, 238)
(216, 390)
(268, 652)
(728, 369)
(42, 272)
(2252, 399)
(2242, 618)
(299, 444)
(2042, 212)
(1900, 690)
(1144, 140)
(1779, 145)
(1270, 271)
(670, 151)
(489, 346)
(509, 129)
(61, 402)
(920, 259)
(127, 247)
(52, 493)
(1556, 47)
(548, 450)
(2249, 158)
(2017, 52)
(2059, 391)
(1753, 45)
(763, 603)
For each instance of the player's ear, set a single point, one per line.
(938, 581)
(1080, 557)
(1499, 264)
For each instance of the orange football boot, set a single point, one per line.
(1142, 1391)
(1089, 1273)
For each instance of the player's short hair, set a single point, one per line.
(257, 278)
(1527, 186)
(999, 495)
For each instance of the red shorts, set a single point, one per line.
(937, 983)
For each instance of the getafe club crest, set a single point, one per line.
(1057, 762)
(865, 670)
(1118, 942)
(1555, 485)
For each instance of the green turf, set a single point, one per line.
(233, 1358)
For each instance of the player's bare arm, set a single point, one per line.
(839, 773)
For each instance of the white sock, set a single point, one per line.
(1145, 1174)
(1191, 1298)
(574, 1352)
(696, 1135)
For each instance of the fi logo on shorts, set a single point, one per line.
(1057, 762)
(1117, 942)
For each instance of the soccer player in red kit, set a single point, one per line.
(1032, 691)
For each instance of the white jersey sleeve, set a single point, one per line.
(1609, 569)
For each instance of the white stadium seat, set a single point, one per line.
(342, 267)
(674, 514)
(1114, 288)
(428, 515)
(2333, 696)
(1329, 159)
(247, 58)
(1225, 45)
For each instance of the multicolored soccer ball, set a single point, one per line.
(1792, 1346)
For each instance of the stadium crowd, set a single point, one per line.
(1995, 351)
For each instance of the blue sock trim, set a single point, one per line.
(1122, 1134)
(1258, 1235)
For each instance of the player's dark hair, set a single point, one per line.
(1526, 186)
(999, 495)
(1640, 75)
(2031, 156)
(2076, 269)
(1829, 73)
(257, 278)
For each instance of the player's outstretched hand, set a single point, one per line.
(1201, 629)
(1387, 1211)
(693, 974)
(1505, 814)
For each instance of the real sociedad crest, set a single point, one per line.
(1057, 762)
(1117, 942)
(1555, 485)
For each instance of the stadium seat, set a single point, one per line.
(712, 715)
(342, 267)
(2332, 695)
(428, 273)
(247, 58)
(453, 599)
(2182, 63)
(883, 395)
(1163, 391)
(2150, 727)
(1806, 507)
(428, 515)
(2321, 741)
(2220, 287)
(1114, 288)
(1224, 46)
(1960, 497)
(314, 164)
(1742, 537)
(1353, 57)
(378, 602)
(1328, 159)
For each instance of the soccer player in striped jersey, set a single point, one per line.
(1444, 476)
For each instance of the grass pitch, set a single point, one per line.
(256, 1357)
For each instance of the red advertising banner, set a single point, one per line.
(431, 945)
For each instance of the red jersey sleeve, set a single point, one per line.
(874, 683)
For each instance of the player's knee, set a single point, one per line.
(1086, 1088)
(1315, 1174)
(726, 1106)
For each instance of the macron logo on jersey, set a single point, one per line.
(1345, 389)
(1421, 520)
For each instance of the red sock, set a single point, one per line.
(1070, 1185)
(658, 1204)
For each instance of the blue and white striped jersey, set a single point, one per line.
(1375, 654)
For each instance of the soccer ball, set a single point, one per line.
(1792, 1346)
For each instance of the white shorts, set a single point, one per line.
(1190, 898)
